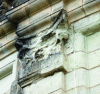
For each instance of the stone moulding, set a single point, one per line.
(6, 70)
(28, 8)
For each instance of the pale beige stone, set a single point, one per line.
(93, 42)
(79, 42)
(76, 78)
(8, 59)
(76, 14)
(94, 76)
(56, 7)
(7, 49)
(72, 5)
(94, 59)
(86, 21)
(26, 90)
(6, 70)
(95, 90)
(90, 29)
(48, 84)
(5, 84)
(92, 7)
(78, 90)
(8, 38)
(76, 60)
(8, 92)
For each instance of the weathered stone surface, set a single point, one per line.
(47, 85)
(53, 63)
(75, 61)
(93, 42)
(95, 90)
(72, 5)
(94, 75)
(93, 59)
(86, 21)
(76, 78)
(79, 42)
(5, 84)
(76, 14)
(92, 7)
(78, 90)
(15, 88)
(24, 45)
(5, 70)
(29, 74)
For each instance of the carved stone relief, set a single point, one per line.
(25, 44)
(34, 49)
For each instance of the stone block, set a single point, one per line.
(93, 42)
(41, 5)
(23, 24)
(79, 42)
(86, 21)
(95, 90)
(40, 15)
(72, 5)
(48, 84)
(9, 59)
(7, 49)
(94, 75)
(5, 84)
(90, 29)
(26, 90)
(76, 78)
(92, 7)
(53, 63)
(75, 61)
(33, 19)
(8, 38)
(93, 59)
(56, 7)
(76, 14)
(78, 90)
(6, 70)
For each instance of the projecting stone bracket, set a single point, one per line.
(31, 68)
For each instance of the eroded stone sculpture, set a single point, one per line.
(22, 45)
(32, 50)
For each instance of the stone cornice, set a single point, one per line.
(30, 8)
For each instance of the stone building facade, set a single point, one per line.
(49, 46)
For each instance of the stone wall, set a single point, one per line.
(57, 48)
